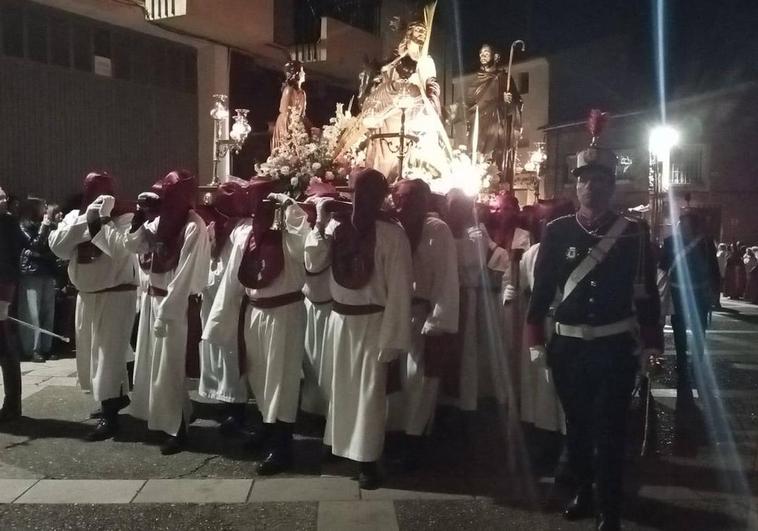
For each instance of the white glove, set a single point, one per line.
(508, 97)
(106, 206)
(4, 306)
(509, 294)
(537, 353)
(282, 199)
(160, 327)
(97, 204)
(429, 329)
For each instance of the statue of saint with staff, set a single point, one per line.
(499, 103)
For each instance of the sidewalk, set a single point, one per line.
(51, 479)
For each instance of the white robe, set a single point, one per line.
(220, 377)
(482, 348)
(160, 395)
(103, 321)
(317, 365)
(539, 401)
(435, 279)
(513, 314)
(362, 345)
(274, 337)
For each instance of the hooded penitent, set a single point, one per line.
(95, 185)
(355, 238)
(460, 212)
(504, 220)
(263, 259)
(230, 204)
(177, 191)
(412, 200)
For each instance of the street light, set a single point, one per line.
(224, 141)
(662, 139)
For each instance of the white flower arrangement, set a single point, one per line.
(301, 158)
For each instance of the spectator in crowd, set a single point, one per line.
(751, 274)
(38, 274)
(11, 243)
(722, 255)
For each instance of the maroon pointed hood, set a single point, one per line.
(355, 239)
(263, 259)
(177, 191)
(230, 204)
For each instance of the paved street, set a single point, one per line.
(51, 479)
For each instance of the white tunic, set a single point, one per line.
(482, 356)
(274, 337)
(435, 280)
(160, 396)
(362, 345)
(103, 321)
(317, 365)
(220, 377)
(539, 401)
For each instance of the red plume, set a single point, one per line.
(596, 123)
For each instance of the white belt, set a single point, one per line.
(589, 333)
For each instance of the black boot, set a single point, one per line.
(234, 422)
(279, 457)
(11, 367)
(582, 506)
(413, 452)
(607, 521)
(258, 439)
(108, 425)
(368, 477)
(175, 443)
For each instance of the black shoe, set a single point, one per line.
(608, 522)
(582, 506)
(175, 443)
(105, 429)
(10, 413)
(96, 414)
(413, 453)
(278, 460)
(257, 440)
(368, 478)
(38, 358)
(230, 426)
(53, 357)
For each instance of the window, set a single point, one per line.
(13, 31)
(82, 47)
(36, 31)
(60, 43)
(523, 82)
(687, 163)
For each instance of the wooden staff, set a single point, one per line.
(508, 158)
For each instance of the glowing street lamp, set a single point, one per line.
(662, 139)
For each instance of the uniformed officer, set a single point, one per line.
(597, 271)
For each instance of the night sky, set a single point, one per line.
(710, 43)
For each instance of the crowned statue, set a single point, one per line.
(496, 98)
(292, 104)
(405, 97)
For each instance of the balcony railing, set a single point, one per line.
(160, 9)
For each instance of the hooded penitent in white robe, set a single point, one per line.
(539, 401)
(105, 305)
(435, 311)
(363, 345)
(220, 376)
(513, 312)
(274, 337)
(317, 365)
(483, 368)
(160, 395)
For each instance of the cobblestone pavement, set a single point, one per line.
(701, 473)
